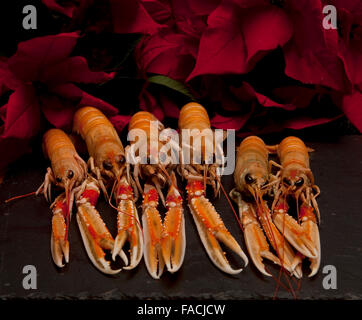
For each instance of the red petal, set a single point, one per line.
(3, 112)
(7, 79)
(58, 112)
(265, 101)
(169, 108)
(159, 10)
(73, 69)
(351, 54)
(296, 96)
(216, 90)
(192, 7)
(353, 6)
(311, 56)
(131, 17)
(120, 121)
(351, 107)
(81, 98)
(246, 93)
(166, 53)
(299, 123)
(105, 107)
(296, 123)
(36, 55)
(192, 27)
(22, 114)
(237, 38)
(235, 123)
(149, 103)
(67, 10)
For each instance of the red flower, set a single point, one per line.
(350, 51)
(166, 53)
(64, 7)
(130, 16)
(351, 106)
(119, 16)
(172, 51)
(248, 111)
(204, 42)
(159, 104)
(239, 36)
(41, 75)
(311, 55)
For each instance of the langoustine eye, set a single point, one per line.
(248, 178)
(299, 182)
(107, 165)
(70, 174)
(287, 181)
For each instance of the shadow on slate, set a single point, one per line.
(25, 227)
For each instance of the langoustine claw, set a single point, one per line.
(153, 230)
(257, 243)
(95, 235)
(304, 236)
(128, 225)
(165, 243)
(174, 236)
(212, 229)
(59, 243)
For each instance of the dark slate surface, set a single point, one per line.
(25, 239)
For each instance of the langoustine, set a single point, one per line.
(165, 241)
(295, 179)
(107, 162)
(194, 122)
(67, 171)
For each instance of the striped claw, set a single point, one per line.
(129, 227)
(59, 243)
(211, 228)
(310, 227)
(278, 241)
(255, 240)
(174, 237)
(303, 237)
(95, 235)
(153, 229)
(315, 263)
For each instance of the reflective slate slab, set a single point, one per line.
(25, 227)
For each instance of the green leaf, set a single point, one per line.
(172, 84)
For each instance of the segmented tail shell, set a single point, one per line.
(101, 137)
(194, 116)
(292, 150)
(142, 121)
(252, 158)
(58, 147)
